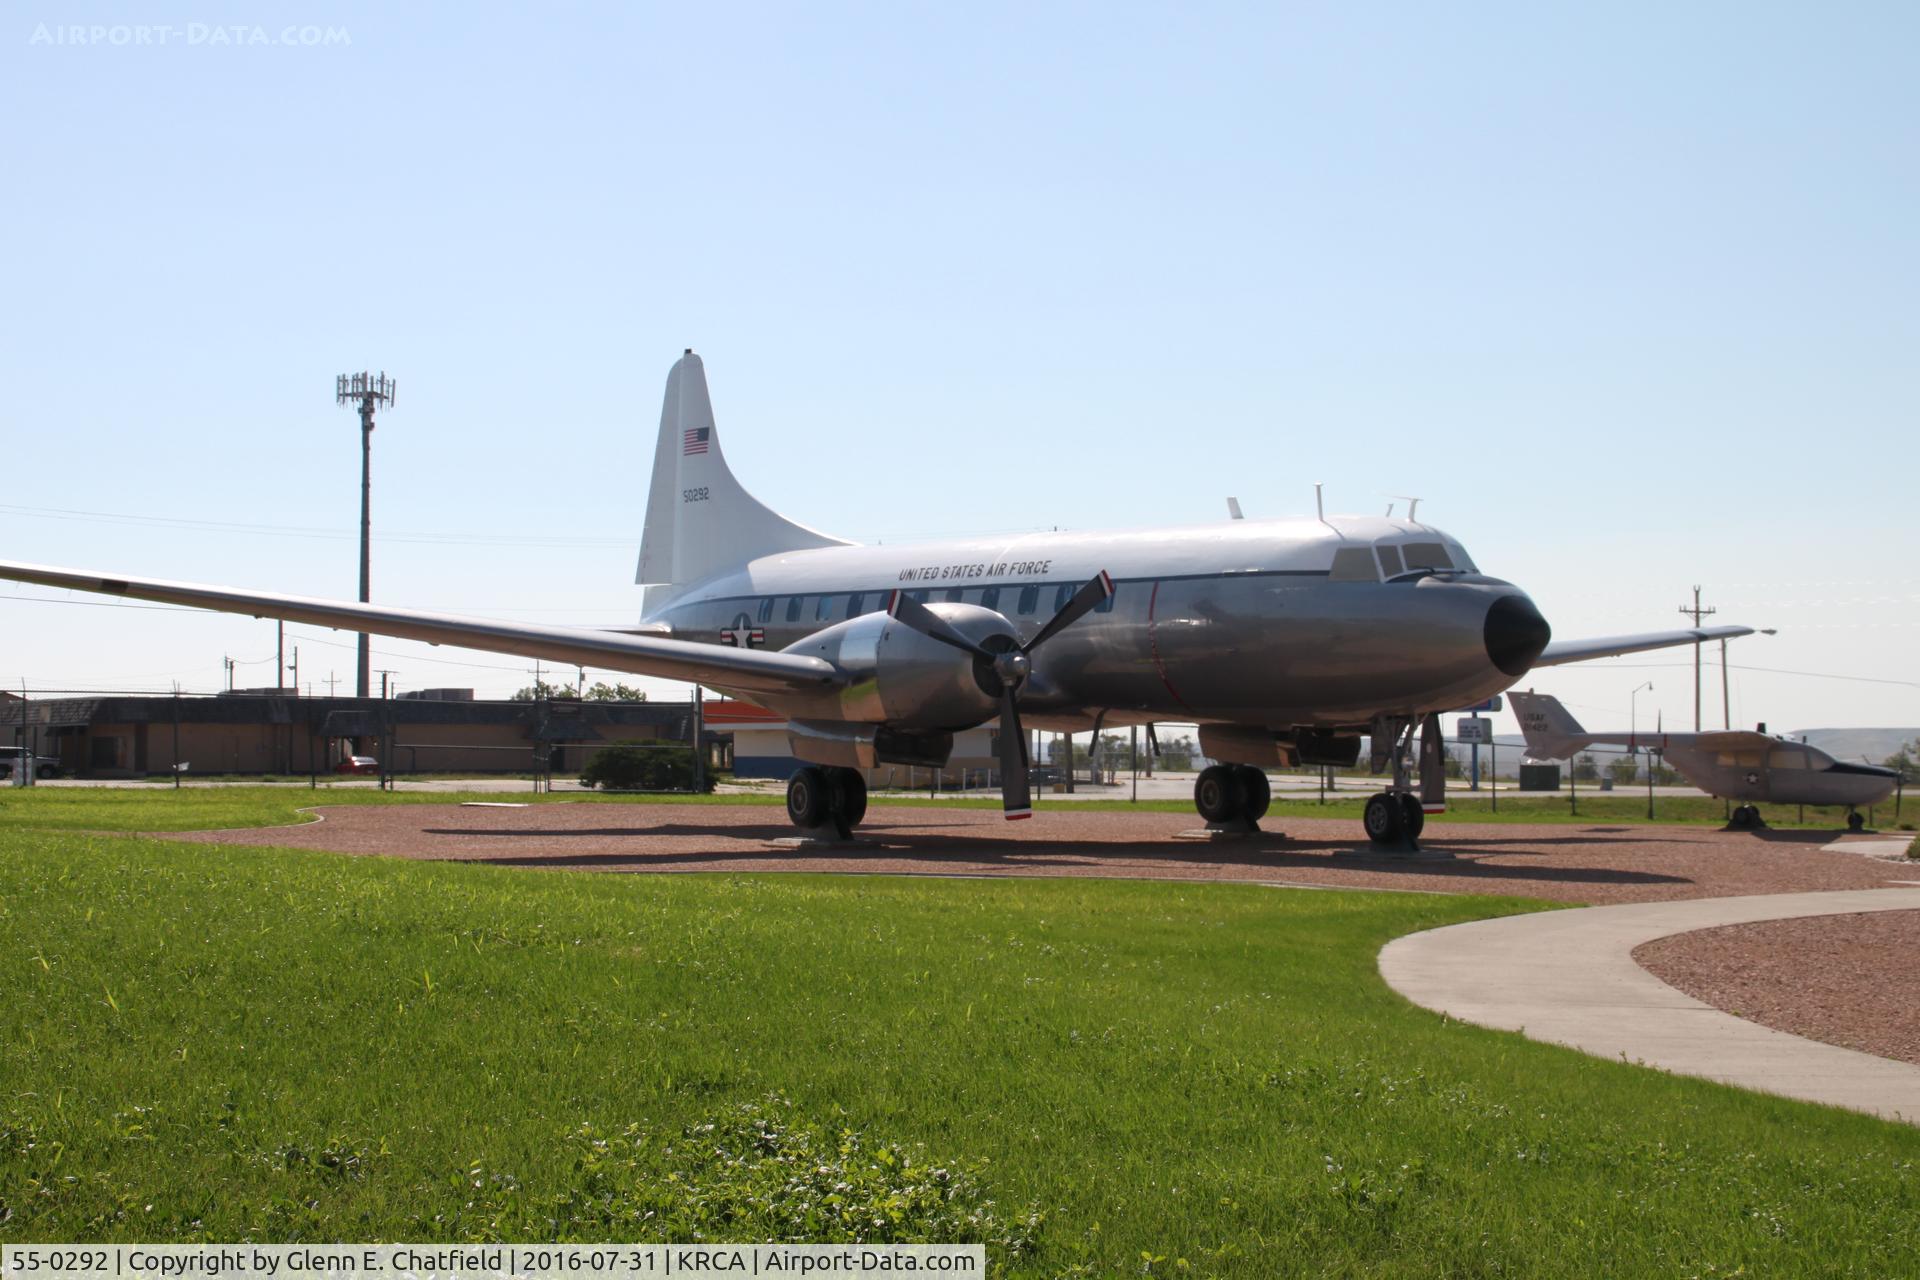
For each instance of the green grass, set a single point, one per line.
(206, 808)
(204, 1042)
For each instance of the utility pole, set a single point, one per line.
(384, 673)
(331, 681)
(296, 671)
(1726, 692)
(229, 665)
(1697, 613)
(279, 652)
(366, 392)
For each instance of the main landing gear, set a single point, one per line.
(1745, 817)
(826, 802)
(1232, 797)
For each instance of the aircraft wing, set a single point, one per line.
(1564, 651)
(1731, 740)
(748, 670)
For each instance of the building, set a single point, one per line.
(116, 736)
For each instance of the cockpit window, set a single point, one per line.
(1390, 560)
(1461, 560)
(1353, 564)
(1786, 758)
(1427, 555)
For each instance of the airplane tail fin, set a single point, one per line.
(1550, 729)
(699, 520)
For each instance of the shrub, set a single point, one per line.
(628, 766)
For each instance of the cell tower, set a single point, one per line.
(366, 391)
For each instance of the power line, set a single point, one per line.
(305, 531)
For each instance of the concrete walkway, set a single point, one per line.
(1568, 977)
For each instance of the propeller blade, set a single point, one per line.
(1098, 589)
(1014, 794)
(1153, 743)
(902, 608)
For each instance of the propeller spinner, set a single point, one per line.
(1010, 663)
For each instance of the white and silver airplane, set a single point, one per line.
(1284, 640)
(1732, 764)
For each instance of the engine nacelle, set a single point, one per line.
(909, 680)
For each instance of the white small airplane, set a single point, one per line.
(1284, 640)
(1732, 764)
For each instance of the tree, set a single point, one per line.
(1585, 770)
(1906, 761)
(627, 766)
(542, 691)
(1625, 769)
(604, 692)
(1176, 754)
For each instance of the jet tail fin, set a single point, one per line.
(699, 518)
(1550, 729)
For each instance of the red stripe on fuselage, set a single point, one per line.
(1153, 648)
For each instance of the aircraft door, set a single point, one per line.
(1786, 772)
(1742, 775)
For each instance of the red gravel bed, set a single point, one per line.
(1844, 980)
(1565, 863)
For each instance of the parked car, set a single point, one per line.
(43, 766)
(358, 764)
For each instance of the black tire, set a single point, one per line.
(1257, 790)
(1384, 818)
(1856, 822)
(807, 793)
(1413, 816)
(849, 796)
(1218, 794)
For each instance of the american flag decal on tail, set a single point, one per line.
(694, 440)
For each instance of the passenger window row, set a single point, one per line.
(824, 607)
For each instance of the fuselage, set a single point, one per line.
(1785, 773)
(1276, 623)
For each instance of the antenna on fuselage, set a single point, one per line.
(1413, 505)
(1319, 504)
(1233, 509)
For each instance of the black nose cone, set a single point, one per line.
(1516, 633)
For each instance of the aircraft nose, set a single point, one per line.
(1515, 633)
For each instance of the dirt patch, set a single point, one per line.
(1565, 863)
(1844, 980)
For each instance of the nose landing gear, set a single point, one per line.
(1394, 818)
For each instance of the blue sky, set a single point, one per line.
(1627, 294)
